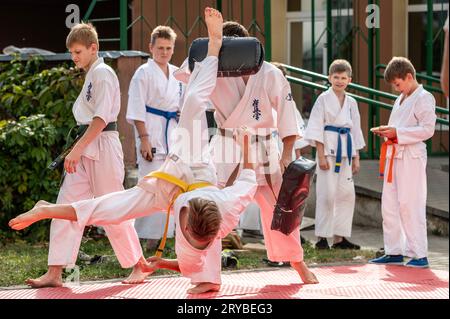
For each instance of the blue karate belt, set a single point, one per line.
(167, 115)
(341, 130)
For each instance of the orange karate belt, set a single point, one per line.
(184, 188)
(383, 154)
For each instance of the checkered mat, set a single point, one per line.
(355, 281)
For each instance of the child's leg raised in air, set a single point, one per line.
(214, 23)
(43, 210)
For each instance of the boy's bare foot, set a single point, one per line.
(203, 287)
(26, 219)
(307, 276)
(52, 278)
(137, 276)
(214, 23)
(139, 273)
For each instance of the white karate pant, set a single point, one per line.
(250, 218)
(93, 179)
(403, 206)
(279, 247)
(150, 196)
(335, 200)
(152, 227)
(118, 207)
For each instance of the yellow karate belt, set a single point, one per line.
(184, 188)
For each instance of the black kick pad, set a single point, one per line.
(237, 56)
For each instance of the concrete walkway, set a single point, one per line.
(372, 238)
(367, 182)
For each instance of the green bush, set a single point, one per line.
(35, 117)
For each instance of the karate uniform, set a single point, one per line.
(150, 88)
(252, 105)
(190, 161)
(335, 192)
(404, 200)
(100, 171)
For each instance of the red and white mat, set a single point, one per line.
(355, 282)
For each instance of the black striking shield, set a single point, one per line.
(291, 202)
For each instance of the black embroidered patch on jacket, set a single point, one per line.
(89, 93)
(180, 91)
(256, 110)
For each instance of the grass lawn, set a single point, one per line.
(20, 260)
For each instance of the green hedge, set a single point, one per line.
(35, 117)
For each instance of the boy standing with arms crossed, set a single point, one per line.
(404, 158)
(334, 128)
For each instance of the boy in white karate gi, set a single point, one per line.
(334, 128)
(403, 167)
(198, 243)
(154, 102)
(94, 167)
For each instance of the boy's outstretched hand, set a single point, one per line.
(152, 264)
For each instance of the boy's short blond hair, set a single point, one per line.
(162, 31)
(82, 33)
(204, 219)
(398, 68)
(340, 66)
